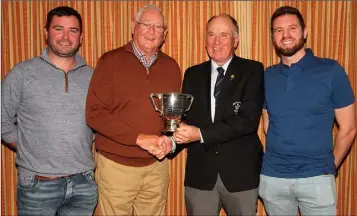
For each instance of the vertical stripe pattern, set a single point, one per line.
(332, 33)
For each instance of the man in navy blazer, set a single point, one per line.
(224, 150)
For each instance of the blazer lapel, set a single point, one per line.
(205, 88)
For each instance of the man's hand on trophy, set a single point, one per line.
(186, 134)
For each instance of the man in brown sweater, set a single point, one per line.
(131, 180)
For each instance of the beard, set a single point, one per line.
(288, 52)
(58, 51)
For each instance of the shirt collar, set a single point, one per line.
(305, 62)
(79, 60)
(225, 66)
(140, 54)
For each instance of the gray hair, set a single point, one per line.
(148, 7)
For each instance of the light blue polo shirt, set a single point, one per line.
(301, 101)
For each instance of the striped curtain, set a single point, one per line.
(332, 31)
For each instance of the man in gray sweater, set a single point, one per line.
(43, 120)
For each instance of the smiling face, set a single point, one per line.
(63, 36)
(221, 40)
(288, 35)
(146, 36)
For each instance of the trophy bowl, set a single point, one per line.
(172, 106)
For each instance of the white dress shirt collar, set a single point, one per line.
(214, 66)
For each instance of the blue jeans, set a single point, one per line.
(312, 196)
(74, 195)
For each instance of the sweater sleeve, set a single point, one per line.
(99, 100)
(10, 100)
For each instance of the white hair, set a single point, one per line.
(148, 7)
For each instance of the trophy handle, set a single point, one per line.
(189, 97)
(159, 96)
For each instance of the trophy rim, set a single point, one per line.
(175, 93)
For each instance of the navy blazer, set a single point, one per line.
(231, 145)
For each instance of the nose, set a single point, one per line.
(216, 39)
(286, 33)
(65, 34)
(151, 29)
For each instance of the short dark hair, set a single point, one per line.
(234, 22)
(286, 10)
(63, 11)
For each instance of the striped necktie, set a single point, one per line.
(219, 81)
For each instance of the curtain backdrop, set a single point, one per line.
(332, 30)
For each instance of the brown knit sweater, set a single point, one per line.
(118, 104)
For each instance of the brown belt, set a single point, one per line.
(50, 177)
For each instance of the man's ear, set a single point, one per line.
(81, 38)
(236, 42)
(45, 33)
(133, 23)
(165, 33)
(305, 32)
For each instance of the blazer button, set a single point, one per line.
(217, 153)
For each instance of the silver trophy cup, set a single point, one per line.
(172, 106)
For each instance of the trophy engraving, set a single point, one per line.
(171, 107)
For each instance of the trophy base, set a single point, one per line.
(171, 126)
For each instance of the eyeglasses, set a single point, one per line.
(146, 26)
